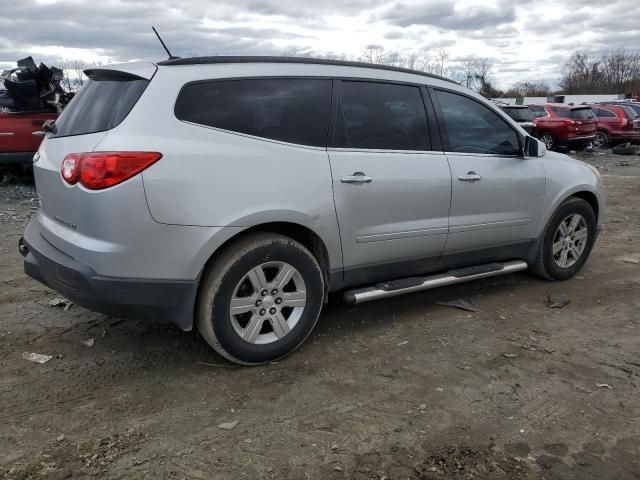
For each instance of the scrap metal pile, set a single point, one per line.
(32, 88)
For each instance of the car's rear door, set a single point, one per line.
(392, 185)
(497, 194)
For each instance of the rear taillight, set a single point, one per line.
(570, 123)
(70, 167)
(98, 170)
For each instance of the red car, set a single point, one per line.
(20, 136)
(563, 125)
(616, 123)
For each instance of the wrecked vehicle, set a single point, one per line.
(32, 96)
(234, 193)
(522, 115)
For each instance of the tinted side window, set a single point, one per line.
(381, 116)
(294, 110)
(582, 113)
(605, 113)
(561, 112)
(474, 128)
(100, 105)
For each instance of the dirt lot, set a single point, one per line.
(396, 389)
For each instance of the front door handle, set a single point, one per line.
(357, 177)
(470, 177)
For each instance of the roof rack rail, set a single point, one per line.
(302, 60)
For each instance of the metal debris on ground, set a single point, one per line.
(61, 302)
(510, 355)
(631, 260)
(467, 304)
(604, 385)
(89, 342)
(557, 302)
(228, 425)
(404, 342)
(36, 357)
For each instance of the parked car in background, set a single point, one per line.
(522, 115)
(232, 194)
(562, 125)
(616, 123)
(29, 96)
(20, 136)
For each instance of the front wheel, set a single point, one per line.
(567, 241)
(260, 299)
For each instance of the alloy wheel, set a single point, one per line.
(268, 302)
(570, 240)
(599, 141)
(547, 139)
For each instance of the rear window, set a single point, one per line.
(294, 110)
(99, 106)
(629, 112)
(519, 114)
(582, 114)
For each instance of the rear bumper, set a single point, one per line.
(580, 140)
(157, 300)
(16, 158)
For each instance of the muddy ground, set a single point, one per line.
(396, 389)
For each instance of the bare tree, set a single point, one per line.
(373, 54)
(74, 77)
(528, 88)
(617, 71)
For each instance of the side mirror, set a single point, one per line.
(50, 127)
(534, 147)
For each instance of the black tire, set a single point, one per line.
(219, 282)
(549, 140)
(602, 139)
(544, 265)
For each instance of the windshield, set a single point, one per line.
(519, 114)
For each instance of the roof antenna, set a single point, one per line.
(171, 57)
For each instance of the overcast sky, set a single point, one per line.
(526, 39)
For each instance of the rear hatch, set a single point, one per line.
(585, 121)
(633, 120)
(102, 104)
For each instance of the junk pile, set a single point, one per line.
(32, 88)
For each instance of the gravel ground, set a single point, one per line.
(395, 389)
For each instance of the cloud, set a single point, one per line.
(446, 15)
(525, 38)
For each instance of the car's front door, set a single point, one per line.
(497, 194)
(392, 192)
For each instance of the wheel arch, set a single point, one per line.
(585, 192)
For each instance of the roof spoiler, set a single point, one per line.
(123, 71)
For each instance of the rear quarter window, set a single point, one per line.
(582, 114)
(99, 106)
(294, 110)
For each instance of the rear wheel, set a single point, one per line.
(260, 299)
(601, 140)
(567, 241)
(548, 140)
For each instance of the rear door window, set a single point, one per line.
(294, 110)
(384, 116)
(100, 105)
(472, 127)
(582, 114)
(604, 113)
(561, 112)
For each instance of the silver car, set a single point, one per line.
(235, 193)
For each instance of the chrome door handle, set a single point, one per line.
(39, 133)
(470, 177)
(357, 177)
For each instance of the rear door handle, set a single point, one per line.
(470, 177)
(357, 177)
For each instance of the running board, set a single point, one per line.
(416, 284)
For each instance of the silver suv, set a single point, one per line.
(237, 192)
